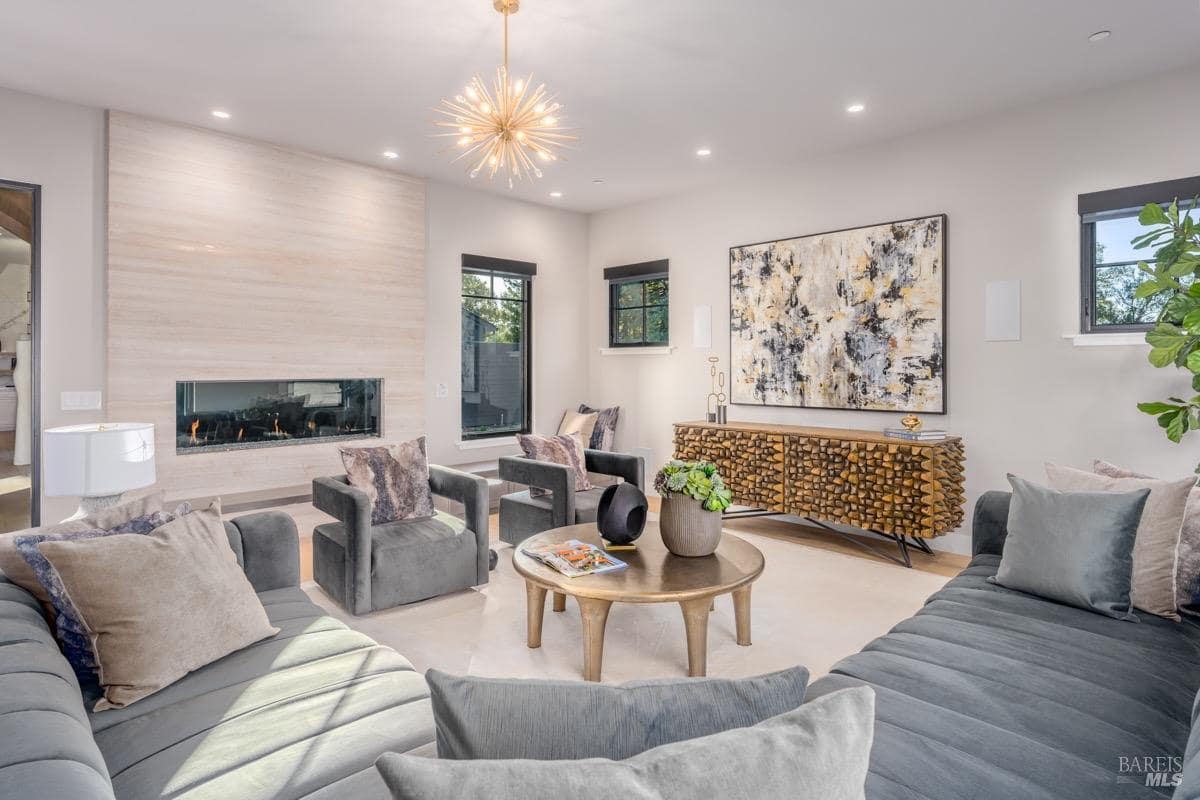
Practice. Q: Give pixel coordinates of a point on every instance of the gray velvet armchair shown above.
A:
(521, 516)
(369, 567)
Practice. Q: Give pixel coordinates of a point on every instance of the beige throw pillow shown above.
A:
(160, 605)
(582, 425)
(19, 572)
(1187, 563)
(1154, 559)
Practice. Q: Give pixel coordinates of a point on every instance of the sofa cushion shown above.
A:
(159, 605)
(819, 750)
(989, 692)
(539, 719)
(298, 714)
(1072, 547)
(48, 750)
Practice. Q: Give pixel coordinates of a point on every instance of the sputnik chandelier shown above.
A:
(509, 129)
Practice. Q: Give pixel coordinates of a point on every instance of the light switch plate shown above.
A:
(80, 401)
(441, 391)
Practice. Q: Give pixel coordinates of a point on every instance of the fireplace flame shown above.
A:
(195, 427)
(277, 431)
(240, 432)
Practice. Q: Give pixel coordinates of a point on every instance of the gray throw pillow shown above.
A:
(819, 750)
(541, 719)
(1072, 547)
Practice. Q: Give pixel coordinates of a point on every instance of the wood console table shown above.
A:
(905, 492)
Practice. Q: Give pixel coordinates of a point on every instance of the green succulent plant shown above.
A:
(1175, 338)
(699, 480)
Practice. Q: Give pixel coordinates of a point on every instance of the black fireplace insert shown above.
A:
(229, 415)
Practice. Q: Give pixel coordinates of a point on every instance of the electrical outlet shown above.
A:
(80, 401)
(441, 391)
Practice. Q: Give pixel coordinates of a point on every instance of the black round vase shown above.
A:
(621, 515)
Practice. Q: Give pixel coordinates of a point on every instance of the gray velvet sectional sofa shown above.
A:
(986, 693)
(992, 693)
(303, 714)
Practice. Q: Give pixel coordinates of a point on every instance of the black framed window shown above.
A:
(496, 310)
(638, 305)
(1109, 263)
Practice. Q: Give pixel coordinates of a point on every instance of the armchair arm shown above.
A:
(631, 469)
(558, 479)
(989, 527)
(269, 549)
(472, 492)
(352, 507)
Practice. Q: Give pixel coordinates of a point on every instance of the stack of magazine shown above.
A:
(914, 436)
(574, 558)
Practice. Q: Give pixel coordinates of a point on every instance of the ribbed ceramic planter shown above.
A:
(687, 529)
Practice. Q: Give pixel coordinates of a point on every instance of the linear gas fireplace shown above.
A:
(230, 415)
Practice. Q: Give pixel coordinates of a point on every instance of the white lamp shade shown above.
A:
(97, 460)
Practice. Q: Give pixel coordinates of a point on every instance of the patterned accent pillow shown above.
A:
(1187, 557)
(605, 432)
(71, 634)
(395, 477)
(565, 450)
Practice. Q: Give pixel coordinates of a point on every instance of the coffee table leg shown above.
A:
(741, 614)
(695, 621)
(594, 614)
(535, 597)
(560, 601)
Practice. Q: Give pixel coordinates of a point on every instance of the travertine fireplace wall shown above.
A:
(230, 259)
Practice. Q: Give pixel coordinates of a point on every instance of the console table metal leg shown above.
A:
(695, 621)
(560, 601)
(741, 614)
(594, 614)
(535, 597)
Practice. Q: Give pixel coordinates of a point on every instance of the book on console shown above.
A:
(914, 436)
(574, 558)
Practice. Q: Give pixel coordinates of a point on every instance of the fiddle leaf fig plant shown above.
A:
(1175, 338)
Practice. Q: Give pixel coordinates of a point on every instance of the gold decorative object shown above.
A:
(717, 393)
(912, 422)
(858, 478)
(508, 129)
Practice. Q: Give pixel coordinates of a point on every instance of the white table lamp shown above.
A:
(97, 462)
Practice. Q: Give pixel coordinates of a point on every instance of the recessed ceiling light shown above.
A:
(855, 108)
(1099, 36)
(556, 194)
(704, 152)
(219, 114)
(390, 154)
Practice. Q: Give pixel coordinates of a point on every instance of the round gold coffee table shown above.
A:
(654, 575)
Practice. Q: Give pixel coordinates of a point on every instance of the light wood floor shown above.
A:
(945, 564)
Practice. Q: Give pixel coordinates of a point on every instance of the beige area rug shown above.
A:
(810, 607)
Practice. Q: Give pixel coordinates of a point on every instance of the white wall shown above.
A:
(1009, 185)
(61, 147)
(467, 221)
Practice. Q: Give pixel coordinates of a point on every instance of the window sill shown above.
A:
(1126, 339)
(482, 444)
(637, 351)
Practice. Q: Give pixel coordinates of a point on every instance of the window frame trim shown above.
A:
(526, 279)
(614, 308)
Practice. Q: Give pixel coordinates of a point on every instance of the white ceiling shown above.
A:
(646, 82)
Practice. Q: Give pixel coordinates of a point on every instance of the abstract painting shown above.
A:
(851, 319)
